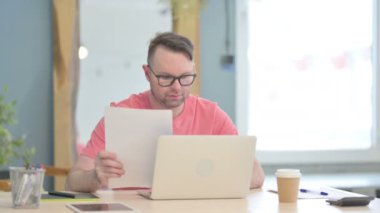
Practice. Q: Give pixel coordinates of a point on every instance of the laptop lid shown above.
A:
(203, 166)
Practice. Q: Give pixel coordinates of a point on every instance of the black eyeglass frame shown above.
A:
(179, 78)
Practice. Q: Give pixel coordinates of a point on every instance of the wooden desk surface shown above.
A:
(257, 201)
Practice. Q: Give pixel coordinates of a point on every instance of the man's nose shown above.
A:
(176, 84)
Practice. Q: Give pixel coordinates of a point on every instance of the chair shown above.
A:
(5, 184)
(56, 171)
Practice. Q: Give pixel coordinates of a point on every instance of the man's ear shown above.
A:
(146, 72)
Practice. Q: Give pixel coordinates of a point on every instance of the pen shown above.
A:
(62, 194)
(314, 192)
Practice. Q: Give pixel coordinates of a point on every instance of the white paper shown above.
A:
(132, 134)
(314, 193)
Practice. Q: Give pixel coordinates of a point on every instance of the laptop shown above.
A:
(202, 167)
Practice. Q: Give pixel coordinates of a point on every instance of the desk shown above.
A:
(258, 201)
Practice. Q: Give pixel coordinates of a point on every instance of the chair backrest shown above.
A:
(5, 184)
(56, 171)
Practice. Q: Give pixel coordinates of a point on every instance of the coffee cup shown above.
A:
(288, 181)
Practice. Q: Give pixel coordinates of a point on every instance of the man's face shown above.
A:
(168, 63)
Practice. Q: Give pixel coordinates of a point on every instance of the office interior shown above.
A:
(26, 68)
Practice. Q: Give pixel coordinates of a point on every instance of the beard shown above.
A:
(168, 102)
(173, 103)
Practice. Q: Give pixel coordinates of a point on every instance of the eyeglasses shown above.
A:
(168, 80)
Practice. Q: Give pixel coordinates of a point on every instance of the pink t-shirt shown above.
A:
(199, 117)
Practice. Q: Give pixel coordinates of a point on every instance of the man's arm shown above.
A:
(258, 175)
(89, 175)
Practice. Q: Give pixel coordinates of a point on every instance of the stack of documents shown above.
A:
(322, 193)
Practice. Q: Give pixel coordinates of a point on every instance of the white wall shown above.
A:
(117, 35)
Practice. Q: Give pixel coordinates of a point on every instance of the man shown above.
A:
(170, 72)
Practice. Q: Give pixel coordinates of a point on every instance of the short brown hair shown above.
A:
(171, 41)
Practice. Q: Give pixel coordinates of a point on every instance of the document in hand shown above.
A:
(132, 134)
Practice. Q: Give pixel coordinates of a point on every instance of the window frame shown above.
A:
(306, 157)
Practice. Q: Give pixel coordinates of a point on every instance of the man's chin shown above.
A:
(173, 104)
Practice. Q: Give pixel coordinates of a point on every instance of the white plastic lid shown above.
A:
(288, 173)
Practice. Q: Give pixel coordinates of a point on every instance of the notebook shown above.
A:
(202, 167)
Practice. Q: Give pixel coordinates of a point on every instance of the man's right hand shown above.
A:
(107, 166)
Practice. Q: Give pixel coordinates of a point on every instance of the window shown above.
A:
(310, 84)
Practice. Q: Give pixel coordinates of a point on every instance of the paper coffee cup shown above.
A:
(288, 181)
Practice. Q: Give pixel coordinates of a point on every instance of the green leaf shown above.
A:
(11, 149)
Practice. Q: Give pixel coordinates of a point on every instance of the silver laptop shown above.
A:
(202, 167)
